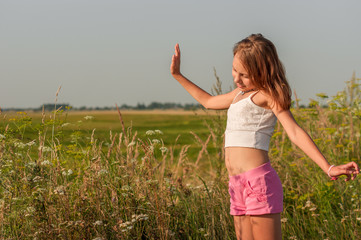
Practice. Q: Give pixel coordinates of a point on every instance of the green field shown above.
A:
(161, 175)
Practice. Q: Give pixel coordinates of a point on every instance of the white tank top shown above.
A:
(249, 125)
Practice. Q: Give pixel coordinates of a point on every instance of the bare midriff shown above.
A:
(243, 159)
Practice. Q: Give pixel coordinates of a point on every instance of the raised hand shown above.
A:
(175, 65)
(350, 169)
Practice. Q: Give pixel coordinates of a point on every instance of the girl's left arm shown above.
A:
(299, 137)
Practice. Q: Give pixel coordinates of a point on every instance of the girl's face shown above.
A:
(240, 75)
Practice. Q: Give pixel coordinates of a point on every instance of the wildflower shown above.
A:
(157, 131)
(30, 209)
(67, 173)
(88, 117)
(102, 172)
(358, 219)
(308, 203)
(163, 150)
(59, 190)
(132, 143)
(65, 124)
(31, 143)
(313, 209)
(37, 179)
(30, 164)
(19, 145)
(201, 229)
(140, 217)
(149, 132)
(155, 141)
(98, 223)
(126, 188)
(45, 163)
(151, 148)
(44, 149)
(284, 220)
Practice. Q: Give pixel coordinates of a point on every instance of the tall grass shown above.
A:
(73, 185)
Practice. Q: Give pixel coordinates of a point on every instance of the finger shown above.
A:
(352, 165)
(348, 177)
(177, 49)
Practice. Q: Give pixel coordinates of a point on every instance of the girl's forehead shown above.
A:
(238, 65)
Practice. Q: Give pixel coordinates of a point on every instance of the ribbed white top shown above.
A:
(249, 125)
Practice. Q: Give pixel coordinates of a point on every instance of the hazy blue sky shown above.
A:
(118, 51)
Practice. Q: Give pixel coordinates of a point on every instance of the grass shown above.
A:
(141, 180)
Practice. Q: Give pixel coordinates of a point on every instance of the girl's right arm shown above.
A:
(208, 101)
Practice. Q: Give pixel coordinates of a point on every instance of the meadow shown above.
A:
(161, 175)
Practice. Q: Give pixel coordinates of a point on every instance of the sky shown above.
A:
(107, 52)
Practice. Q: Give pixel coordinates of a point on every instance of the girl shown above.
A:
(262, 96)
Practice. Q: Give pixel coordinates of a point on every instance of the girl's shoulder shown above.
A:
(262, 99)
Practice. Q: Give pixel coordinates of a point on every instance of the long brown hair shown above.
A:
(259, 56)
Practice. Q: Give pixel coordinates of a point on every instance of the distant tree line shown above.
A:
(139, 106)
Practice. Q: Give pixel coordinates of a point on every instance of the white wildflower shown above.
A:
(37, 179)
(157, 131)
(30, 209)
(155, 141)
(358, 219)
(126, 188)
(132, 143)
(88, 117)
(59, 190)
(149, 132)
(44, 149)
(163, 150)
(151, 148)
(308, 203)
(65, 124)
(284, 220)
(313, 209)
(46, 163)
(19, 144)
(30, 164)
(70, 172)
(102, 172)
(31, 143)
(98, 223)
(18, 154)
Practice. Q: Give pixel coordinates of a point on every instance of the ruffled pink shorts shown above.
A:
(256, 192)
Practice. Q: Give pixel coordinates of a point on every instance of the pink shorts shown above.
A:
(256, 192)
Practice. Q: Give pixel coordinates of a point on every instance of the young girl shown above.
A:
(262, 96)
